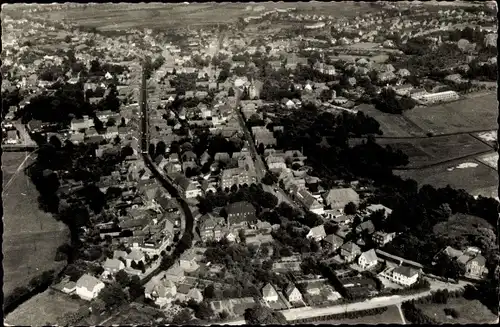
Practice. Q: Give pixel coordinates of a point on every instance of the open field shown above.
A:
(45, 308)
(10, 163)
(478, 180)
(390, 316)
(470, 312)
(490, 159)
(473, 114)
(31, 236)
(158, 15)
(136, 314)
(433, 150)
(392, 125)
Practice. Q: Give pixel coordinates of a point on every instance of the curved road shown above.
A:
(152, 167)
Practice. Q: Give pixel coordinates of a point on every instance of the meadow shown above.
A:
(31, 236)
(45, 308)
(478, 180)
(390, 316)
(476, 113)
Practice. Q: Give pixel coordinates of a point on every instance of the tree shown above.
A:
(260, 315)
(204, 311)
(135, 287)
(161, 148)
(230, 92)
(269, 179)
(112, 295)
(209, 291)
(111, 122)
(122, 278)
(183, 317)
(350, 208)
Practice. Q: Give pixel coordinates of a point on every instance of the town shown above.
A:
(244, 173)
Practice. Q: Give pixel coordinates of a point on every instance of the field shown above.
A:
(45, 308)
(390, 316)
(433, 150)
(31, 236)
(470, 312)
(473, 114)
(478, 180)
(156, 15)
(490, 159)
(392, 125)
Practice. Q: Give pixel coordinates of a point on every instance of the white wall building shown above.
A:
(88, 287)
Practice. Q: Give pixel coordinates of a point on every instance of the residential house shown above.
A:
(12, 137)
(317, 233)
(161, 290)
(275, 163)
(349, 251)
(112, 266)
(293, 294)
(333, 241)
(84, 123)
(187, 260)
(368, 259)
(188, 188)
(195, 295)
(269, 294)
(381, 238)
(376, 207)
(240, 214)
(236, 176)
(338, 198)
(309, 201)
(211, 227)
(476, 267)
(404, 276)
(88, 287)
(365, 227)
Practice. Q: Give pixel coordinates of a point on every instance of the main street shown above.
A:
(260, 167)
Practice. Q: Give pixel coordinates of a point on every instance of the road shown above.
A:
(378, 302)
(260, 167)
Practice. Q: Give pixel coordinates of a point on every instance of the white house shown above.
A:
(113, 266)
(404, 275)
(88, 287)
(368, 259)
(293, 294)
(161, 290)
(269, 293)
(317, 233)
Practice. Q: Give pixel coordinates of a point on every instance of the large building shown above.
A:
(437, 97)
(236, 176)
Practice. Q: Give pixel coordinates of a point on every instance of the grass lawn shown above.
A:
(470, 312)
(46, 307)
(390, 316)
(479, 180)
(31, 236)
(473, 114)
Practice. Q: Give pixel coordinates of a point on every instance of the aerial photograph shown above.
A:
(232, 163)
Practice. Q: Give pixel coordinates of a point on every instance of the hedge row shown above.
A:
(415, 315)
(346, 315)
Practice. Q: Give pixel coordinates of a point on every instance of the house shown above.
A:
(368, 259)
(236, 176)
(404, 275)
(240, 214)
(338, 198)
(84, 123)
(88, 287)
(188, 188)
(317, 233)
(382, 238)
(308, 201)
(365, 227)
(476, 267)
(12, 137)
(161, 290)
(293, 294)
(334, 242)
(187, 260)
(195, 295)
(211, 227)
(269, 294)
(113, 266)
(349, 251)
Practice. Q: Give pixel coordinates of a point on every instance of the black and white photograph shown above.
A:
(250, 163)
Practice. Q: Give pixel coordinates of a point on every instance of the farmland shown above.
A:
(31, 236)
(470, 312)
(477, 179)
(473, 114)
(434, 150)
(45, 308)
(156, 15)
